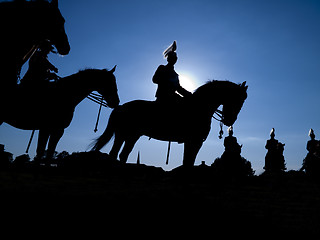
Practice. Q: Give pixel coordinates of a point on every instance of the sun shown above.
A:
(187, 82)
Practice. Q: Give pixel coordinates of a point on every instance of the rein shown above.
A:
(219, 118)
(97, 98)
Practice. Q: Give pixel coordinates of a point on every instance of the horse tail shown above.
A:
(107, 135)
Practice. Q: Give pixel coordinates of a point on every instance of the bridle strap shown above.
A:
(97, 98)
(219, 118)
(219, 114)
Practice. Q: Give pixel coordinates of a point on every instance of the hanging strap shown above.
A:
(96, 128)
(168, 152)
(219, 118)
(221, 130)
(31, 137)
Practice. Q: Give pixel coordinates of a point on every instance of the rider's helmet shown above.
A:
(311, 134)
(272, 133)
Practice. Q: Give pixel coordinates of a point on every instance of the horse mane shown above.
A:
(210, 85)
(87, 70)
(81, 75)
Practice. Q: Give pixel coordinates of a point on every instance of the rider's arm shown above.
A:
(183, 91)
(158, 75)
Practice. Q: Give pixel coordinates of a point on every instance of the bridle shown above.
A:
(219, 117)
(97, 98)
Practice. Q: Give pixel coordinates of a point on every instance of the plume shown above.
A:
(171, 48)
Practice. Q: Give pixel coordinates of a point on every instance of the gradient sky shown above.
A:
(274, 45)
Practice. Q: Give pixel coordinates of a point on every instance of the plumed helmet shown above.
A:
(171, 49)
(272, 132)
(230, 130)
(311, 133)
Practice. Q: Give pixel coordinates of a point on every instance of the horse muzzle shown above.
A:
(63, 50)
(62, 45)
(229, 122)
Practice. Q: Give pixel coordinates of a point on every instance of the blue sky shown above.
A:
(273, 45)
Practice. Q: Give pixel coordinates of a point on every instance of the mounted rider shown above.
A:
(40, 71)
(231, 144)
(168, 80)
(313, 144)
(274, 160)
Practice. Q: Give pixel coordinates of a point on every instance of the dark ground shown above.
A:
(147, 197)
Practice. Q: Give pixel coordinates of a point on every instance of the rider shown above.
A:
(274, 160)
(40, 70)
(168, 80)
(313, 143)
(272, 143)
(231, 144)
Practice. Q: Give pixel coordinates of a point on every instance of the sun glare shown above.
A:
(187, 82)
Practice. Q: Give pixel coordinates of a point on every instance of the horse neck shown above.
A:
(207, 102)
(78, 86)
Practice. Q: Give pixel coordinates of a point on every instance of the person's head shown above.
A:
(172, 58)
(170, 53)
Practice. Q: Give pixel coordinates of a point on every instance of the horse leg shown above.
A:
(191, 150)
(128, 146)
(43, 138)
(117, 143)
(53, 141)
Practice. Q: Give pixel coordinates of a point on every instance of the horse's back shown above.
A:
(137, 109)
(149, 118)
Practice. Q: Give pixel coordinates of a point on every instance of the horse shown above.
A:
(24, 25)
(188, 122)
(50, 109)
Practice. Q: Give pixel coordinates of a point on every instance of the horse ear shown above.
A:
(54, 3)
(243, 84)
(113, 69)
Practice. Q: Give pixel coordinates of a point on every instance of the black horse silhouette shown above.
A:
(24, 25)
(189, 122)
(51, 109)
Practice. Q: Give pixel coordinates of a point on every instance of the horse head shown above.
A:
(54, 28)
(108, 87)
(233, 103)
